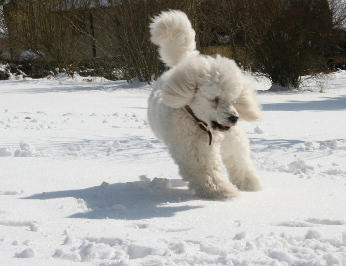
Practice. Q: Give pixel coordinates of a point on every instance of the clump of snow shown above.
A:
(280, 256)
(33, 227)
(144, 178)
(60, 254)
(335, 172)
(333, 144)
(212, 249)
(161, 183)
(68, 240)
(82, 204)
(27, 253)
(137, 251)
(313, 234)
(257, 130)
(75, 148)
(5, 152)
(10, 192)
(178, 247)
(26, 150)
(299, 166)
(105, 184)
(147, 184)
(311, 145)
(91, 251)
(240, 235)
(28, 55)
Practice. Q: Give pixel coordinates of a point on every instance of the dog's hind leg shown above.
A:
(235, 153)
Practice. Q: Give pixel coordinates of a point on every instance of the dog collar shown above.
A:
(202, 125)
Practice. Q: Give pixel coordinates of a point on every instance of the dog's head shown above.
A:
(215, 89)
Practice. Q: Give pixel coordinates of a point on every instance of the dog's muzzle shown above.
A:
(232, 119)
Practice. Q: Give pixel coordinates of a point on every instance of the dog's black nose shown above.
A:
(233, 119)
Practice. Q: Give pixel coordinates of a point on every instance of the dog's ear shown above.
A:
(179, 87)
(247, 106)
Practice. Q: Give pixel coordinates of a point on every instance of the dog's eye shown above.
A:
(215, 102)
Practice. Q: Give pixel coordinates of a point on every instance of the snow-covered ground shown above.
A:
(83, 181)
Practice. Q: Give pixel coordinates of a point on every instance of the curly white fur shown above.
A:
(173, 33)
(216, 90)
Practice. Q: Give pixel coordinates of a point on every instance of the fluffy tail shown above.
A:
(173, 33)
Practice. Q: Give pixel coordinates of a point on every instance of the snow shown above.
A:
(28, 55)
(83, 181)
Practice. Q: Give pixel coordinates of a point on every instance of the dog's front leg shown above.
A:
(200, 166)
(235, 153)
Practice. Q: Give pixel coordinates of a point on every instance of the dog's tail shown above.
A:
(173, 33)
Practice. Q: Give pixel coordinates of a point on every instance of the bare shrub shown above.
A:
(41, 27)
(122, 32)
(284, 40)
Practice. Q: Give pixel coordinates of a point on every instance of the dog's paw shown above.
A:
(253, 183)
(224, 192)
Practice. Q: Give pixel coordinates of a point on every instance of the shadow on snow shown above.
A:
(130, 201)
(329, 104)
(68, 86)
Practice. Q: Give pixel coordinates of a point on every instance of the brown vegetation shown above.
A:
(281, 39)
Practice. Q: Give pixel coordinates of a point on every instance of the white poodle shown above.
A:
(194, 108)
